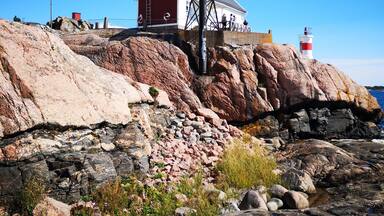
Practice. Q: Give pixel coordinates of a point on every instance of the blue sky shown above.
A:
(348, 33)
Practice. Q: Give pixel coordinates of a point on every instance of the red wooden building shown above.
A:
(157, 12)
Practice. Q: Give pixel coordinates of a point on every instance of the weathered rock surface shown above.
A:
(299, 180)
(51, 207)
(73, 161)
(321, 123)
(77, 126)
(74, 125)
(277, 191)
(337, 208)
(295, 200)
(347, 161)
(253, 200)
(145, 60)
(245, 82)
(43, 82)
(242, 82)
(318, 158)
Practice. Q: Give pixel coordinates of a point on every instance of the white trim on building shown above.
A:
(221, 8)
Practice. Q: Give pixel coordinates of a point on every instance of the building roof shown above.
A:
(233, 4)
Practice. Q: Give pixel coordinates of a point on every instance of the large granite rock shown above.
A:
(321, 123)
(247, 81)
(43, 82)
(329, 164)
(242, 82)
(145, 60)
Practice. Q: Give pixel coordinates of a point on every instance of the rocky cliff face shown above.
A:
(269, 77)
(243, 84)
(76, 126)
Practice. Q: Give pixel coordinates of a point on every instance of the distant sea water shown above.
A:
(379, 94)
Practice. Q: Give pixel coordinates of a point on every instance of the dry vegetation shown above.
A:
(32, 193)
(246, 163)
(130, 197)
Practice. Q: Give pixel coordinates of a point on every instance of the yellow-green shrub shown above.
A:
(246, 163)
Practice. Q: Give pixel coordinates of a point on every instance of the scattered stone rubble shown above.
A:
(190, 139)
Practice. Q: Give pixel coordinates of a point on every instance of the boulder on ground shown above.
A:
(274, 204)
(278, 202)
(253, 200)
(295, 200)
(299, 180)
(277, 191)
(52, 207)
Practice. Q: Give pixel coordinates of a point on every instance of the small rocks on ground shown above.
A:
(184, 211)
(274, 204)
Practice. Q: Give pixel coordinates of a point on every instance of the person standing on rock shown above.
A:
(245, 26)
(234, 23)
(224, 21)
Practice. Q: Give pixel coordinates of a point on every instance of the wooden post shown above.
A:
(106, 24)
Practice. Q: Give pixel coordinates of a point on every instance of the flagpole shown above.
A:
(50, 11)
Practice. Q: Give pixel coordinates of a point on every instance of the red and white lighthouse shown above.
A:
(306, 41)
